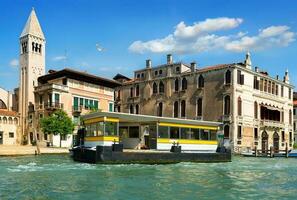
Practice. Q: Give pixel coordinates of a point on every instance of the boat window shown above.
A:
(204, 135)
(88, 130)
(133, 132)
(100, 128)
(213, 135)
(110, 128)
(163, 131)
(174, 133)
(93, 131)
(185, 133)
(196, 133)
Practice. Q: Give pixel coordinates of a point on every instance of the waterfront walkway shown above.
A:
(18, 150)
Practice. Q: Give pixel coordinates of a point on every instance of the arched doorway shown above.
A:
(264, 142)
(276, 142)
(226, 131)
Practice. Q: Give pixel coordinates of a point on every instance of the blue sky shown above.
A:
(208, 32)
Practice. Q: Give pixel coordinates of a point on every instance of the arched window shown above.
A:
(2, 105)
(175, 109)
(227, 105)
(200, 81)
(228, 77)
(160, 109)
(199, 107)
(290, 117)
(137, 90)
(131, 109)
(239, 106)
(119, 94)
(137, 109)
(183, 108)
(131, 92)
(33, 46)
(226, 131)
(155, 88)
(184, 84)
(176, 85)
(4, 120)
(255, 110)
(119, 108)
(10, 120)
(161, 87)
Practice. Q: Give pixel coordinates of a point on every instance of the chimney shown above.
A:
(193, 66)
(286, 77)
(148, 63)
(169, 59)
(256, 69)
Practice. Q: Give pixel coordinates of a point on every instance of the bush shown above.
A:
(295, 146)
(33, 143)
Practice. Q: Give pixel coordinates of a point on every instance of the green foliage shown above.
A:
(295, 146)
(58, 123)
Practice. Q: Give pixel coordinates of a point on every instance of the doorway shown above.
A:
(276, 142)
(264, 142)
(1, 137)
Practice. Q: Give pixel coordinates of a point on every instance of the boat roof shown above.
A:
(127, 117)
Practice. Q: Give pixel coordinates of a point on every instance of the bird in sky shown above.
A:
(99, 48)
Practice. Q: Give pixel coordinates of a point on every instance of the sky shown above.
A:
(208, 32)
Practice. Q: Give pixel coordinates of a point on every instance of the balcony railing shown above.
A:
(53, 106)
(77, 109)
(52, 86)
(271, 123)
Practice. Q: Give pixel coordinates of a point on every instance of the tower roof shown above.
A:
(32, 26)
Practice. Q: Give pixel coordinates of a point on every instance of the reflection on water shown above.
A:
(58, 177)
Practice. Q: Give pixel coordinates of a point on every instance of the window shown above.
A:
(255, 110)
(184, 84)
(119, 94)
(269, 87)
(240, 78)
(282, 91)
(174, 132)
(175, 109)
(256, 83)
(200, 82)
(161, 88)
(163, 132)
(142, 75)
(176, 85)
(137, 90)
(199, 107)
(64, 81)
(183, 108)
(138, 76)
(131, 92)
(294, 126)
(177, 69)
(185, 133)
(276, 89)
(156, 73)
(290, 93)
(228, 77)
(11, 134)
(283, 136)
(294, 111)
(155, 88)
(255, 133)
(110, 128)
(239, 106)
(290, 117)
(133, 132)
(226, 131)
(290, 137)
(119, 108)
(160, 72)
(204, 134)
(110, 107)
(273, 88)
(137, 109)
(45, 136)
(261, 84)
(227, 105)
(239, 132)
(131, 109)
(160, 109)
(57, 98)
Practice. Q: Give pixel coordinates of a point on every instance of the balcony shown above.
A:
(53, 106)
(77, 109)
(226, 118)
(271, 123)
(51, 86)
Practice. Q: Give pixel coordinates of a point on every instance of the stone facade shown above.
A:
(254, 107)
(9, 127)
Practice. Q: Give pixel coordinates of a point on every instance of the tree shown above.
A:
(58, 123)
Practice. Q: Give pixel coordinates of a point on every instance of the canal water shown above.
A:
(58, 177)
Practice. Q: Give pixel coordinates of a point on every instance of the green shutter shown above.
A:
(110, 107)
(87, 103)
(96, 105)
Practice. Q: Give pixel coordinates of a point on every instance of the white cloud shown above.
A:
(59, 58)
(202, 36)
(14, 63)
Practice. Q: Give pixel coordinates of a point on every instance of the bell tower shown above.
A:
(32, 65)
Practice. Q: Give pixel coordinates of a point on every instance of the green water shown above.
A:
(58, 177)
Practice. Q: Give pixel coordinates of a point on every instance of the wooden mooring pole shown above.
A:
(287, 151)
(256, 151)
(271, 152)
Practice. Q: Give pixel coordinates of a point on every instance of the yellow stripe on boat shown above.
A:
(189, 126)
(102, 138)
(101, 119)
(184, 141)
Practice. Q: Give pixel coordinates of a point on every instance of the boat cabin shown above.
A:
(135, 131)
